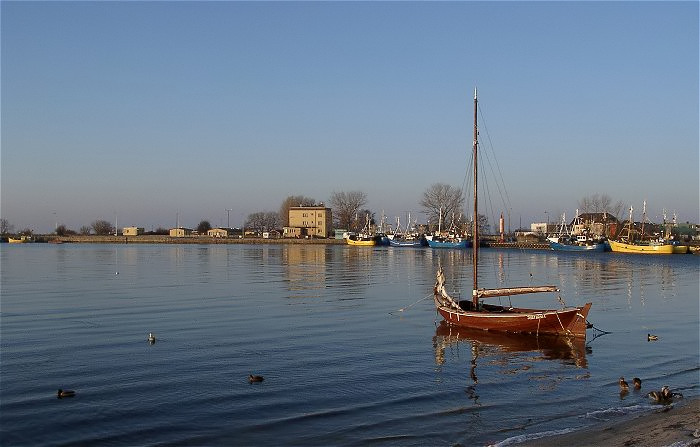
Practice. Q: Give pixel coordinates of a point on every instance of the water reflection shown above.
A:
(497, 346)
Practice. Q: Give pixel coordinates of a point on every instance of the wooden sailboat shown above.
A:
(569, 321)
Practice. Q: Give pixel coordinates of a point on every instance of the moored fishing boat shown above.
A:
(360, 240)
(448, 242)
(577, 247)
(568, 321)
(628, 241)
(363, 239)
(566, 241)
(409, 237)
(20, 240)
(412, 241)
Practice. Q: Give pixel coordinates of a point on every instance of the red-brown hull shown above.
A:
(570, 321)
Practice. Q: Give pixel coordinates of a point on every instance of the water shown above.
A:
(343, 365)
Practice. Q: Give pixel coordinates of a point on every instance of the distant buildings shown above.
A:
(132, 231)
(309, 221)
(180, 232)
(219, 232)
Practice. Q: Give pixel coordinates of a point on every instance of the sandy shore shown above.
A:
(668, 426)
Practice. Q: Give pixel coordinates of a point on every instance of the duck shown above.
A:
(252, 378)
(151, 338)
(637, 382)
(665, 396)
(656, 396)
(65, 393)
(668, 395)
(624, 386)
(652, 337)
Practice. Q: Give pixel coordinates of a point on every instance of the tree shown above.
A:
(600, 203)
(441, 199)
(262, 221)
(102, 227)
(345, 206)
(360, 220)
(483, 223)
(290, 202)
(85, 230)
(203, 227)
(62, 230)
(5, 227)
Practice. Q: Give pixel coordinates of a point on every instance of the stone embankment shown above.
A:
(162, 239)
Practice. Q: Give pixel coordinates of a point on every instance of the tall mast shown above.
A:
(475, 243)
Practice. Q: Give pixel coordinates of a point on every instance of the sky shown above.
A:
(150, 113)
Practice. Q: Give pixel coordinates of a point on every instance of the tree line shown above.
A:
(441, 203)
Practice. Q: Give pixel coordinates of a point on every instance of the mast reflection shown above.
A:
(568, 350)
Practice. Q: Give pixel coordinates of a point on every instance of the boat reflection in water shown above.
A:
(568, 350)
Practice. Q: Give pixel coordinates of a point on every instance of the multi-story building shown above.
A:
(311, 221)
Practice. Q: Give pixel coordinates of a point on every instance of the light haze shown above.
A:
(144, 112)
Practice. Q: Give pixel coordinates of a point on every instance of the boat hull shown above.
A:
(680, 249)
(361, 242)
(659, 249)
(414, 243)
(568, 322)
(578, 248)
(448, 244)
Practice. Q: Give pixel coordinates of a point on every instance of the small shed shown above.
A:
(132, 231)
(180, 232)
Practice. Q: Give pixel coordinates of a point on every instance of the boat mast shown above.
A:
(475, 242)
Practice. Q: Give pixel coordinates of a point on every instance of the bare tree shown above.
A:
(290, 202)
(5, 227)
(85, 230)
(62, 230)
(102, 227)
(262, 221)
(345, 206)
(600, 203)
(441, 199)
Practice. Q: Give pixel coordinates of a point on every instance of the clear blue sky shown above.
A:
(146, 110)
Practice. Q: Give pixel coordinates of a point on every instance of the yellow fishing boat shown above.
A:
(631, 241)
(366, 238)
(358, 241)
(651, 247)
(680, 249)
(20, 240)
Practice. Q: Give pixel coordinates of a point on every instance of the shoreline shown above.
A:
(204, 240)
(677, 425)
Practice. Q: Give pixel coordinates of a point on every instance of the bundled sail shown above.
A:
(569, 321)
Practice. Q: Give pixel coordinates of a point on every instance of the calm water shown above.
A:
(342, 364)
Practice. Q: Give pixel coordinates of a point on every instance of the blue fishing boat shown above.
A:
(414, 242)
(449, 242)
(573, 246)
(410, 237)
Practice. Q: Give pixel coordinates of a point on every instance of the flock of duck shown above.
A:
(665, 396)
(151, 340)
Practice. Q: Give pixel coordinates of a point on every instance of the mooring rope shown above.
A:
(411, 305)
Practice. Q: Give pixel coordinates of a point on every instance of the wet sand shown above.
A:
(677, 425)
